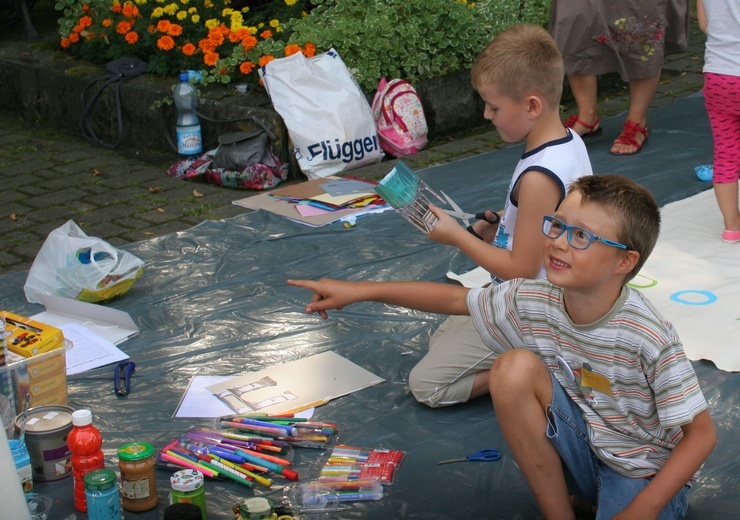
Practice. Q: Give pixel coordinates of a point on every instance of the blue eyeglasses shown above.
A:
(578, 237)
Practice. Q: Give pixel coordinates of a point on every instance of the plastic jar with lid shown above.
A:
(187, 486)
(138, 480)
(103, 501)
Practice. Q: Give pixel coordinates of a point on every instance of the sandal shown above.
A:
(629, 130)
(593, 129)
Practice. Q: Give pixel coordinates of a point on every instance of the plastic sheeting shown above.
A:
(213, 301)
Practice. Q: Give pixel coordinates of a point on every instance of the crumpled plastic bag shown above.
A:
(72, 265)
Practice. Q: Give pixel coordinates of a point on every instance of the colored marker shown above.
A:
(272, 466)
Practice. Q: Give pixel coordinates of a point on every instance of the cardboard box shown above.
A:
(43, 377)
(27, 337)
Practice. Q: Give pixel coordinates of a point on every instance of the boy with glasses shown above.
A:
(591, 386)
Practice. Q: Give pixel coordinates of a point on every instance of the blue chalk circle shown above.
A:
(704, 172)
(709, 297)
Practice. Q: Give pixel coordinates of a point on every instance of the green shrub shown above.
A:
(413, 39)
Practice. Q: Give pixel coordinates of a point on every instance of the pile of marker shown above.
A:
(352, 463)
(247, 449)
(295, 431)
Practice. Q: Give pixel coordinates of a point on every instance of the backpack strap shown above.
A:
(117, 72)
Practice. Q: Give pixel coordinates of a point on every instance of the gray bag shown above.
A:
(239, 150)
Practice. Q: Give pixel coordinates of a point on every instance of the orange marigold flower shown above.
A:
(166, 43)
(238, 35)
(249, 42)
(309, 50)
(189, 49)
(174, 30)
(207, 45)
(86, 8)
(292, 49)
(107, 22)
(264, 60)
(216, 35)
(132, 38)
(246, 67)
(210, 58)
(116, 8)
(130, 10)
(85, 21)
(74, 37)
(163, 26)
(266, 34)
(123, 27)
(78, 28)
(65, 43)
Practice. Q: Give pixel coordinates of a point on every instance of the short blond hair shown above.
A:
(520, 61)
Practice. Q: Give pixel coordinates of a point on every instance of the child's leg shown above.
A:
(521, 389)
(456, 367)
(618, 491)
(722, 98)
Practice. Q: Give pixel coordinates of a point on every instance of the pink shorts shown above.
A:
(722, 99)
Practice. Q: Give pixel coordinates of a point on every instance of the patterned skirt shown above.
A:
(630, 37)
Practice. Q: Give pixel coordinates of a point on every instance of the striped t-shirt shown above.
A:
(627, 372)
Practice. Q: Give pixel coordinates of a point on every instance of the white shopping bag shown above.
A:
(327, 116)
(74, 265)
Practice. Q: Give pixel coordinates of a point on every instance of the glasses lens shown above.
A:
(579, 237)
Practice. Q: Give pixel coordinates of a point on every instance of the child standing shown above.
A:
(591, 386)
(720, 19)
(519, 76)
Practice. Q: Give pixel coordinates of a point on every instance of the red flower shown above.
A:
(246, 67)
(166, 43)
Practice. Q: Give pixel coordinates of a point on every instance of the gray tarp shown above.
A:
(213, 301)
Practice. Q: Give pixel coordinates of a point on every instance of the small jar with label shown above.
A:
(138, 480)
(101, 492)
(187, 486)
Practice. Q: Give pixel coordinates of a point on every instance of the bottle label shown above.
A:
(26, 477)
(189, 140)
(135, 489)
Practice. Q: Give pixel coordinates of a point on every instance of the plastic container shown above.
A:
(189, 135)
(103, 501)
(138, 479)
(188, 486)
(183, 511)
(22, 463)
(84, 442)
(47, 429)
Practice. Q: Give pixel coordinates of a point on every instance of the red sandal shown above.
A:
(593, 130)
(629, 130)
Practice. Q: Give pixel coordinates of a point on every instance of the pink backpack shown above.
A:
(399, 118)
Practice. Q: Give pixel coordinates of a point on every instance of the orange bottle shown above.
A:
(84, 442)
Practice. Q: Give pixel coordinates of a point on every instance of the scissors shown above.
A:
(485, 455)
(457, 212)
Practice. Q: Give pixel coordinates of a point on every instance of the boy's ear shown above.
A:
(534, 105)
(628, 262)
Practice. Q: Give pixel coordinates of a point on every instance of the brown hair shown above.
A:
(635, 210)
(521, 60)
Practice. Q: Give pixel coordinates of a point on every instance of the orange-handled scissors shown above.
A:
(485, 455)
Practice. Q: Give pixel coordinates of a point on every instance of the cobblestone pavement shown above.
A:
(123, 197)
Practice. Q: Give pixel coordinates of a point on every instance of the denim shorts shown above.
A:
(585, 474)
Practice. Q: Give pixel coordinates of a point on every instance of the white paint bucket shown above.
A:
(47, 428)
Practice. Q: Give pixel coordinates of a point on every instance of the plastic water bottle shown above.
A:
(189, 136)
(84, 442)
(22, 463)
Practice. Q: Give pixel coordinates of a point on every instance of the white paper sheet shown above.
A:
(88, 350)
(295, 385)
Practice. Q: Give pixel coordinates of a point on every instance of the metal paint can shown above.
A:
(47, 428)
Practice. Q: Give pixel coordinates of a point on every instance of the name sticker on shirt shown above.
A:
(595, 381)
